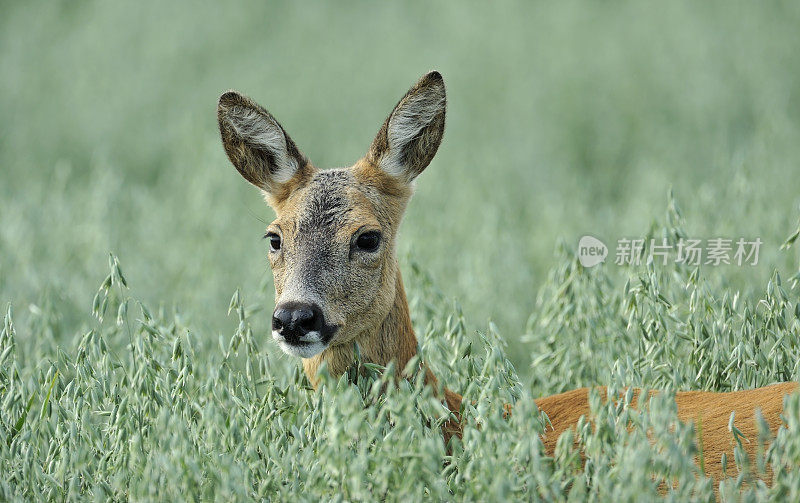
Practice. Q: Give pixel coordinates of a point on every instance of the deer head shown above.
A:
(332, 244)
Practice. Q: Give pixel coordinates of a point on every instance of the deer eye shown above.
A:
(369, 241)
(274, 241)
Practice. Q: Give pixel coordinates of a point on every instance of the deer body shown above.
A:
(710, 410)
(337, 281)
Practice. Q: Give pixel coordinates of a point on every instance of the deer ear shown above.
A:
(408, 140)
(258, 146)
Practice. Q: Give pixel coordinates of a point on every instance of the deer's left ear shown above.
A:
(408, 140)
(259, 147)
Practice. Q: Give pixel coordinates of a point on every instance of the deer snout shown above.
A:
(295, 320)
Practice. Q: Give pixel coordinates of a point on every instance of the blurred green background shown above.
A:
(564, 119)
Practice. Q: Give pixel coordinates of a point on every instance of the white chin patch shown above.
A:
(311, 345)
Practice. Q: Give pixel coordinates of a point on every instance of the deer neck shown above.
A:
(392, 340)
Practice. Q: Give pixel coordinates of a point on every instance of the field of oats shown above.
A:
(135, 358)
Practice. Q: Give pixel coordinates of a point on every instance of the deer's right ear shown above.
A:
(410, 137)
(258, 146)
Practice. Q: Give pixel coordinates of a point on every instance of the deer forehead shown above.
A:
(338, 203)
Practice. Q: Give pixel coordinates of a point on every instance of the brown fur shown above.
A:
(710, 410)
(319, 213)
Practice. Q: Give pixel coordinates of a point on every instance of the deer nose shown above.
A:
(293, 320)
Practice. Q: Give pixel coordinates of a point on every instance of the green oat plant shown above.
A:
(133, 410)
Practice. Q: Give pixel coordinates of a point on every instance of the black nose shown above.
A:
(293, 320)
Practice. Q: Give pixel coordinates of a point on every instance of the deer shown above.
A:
(337, 279)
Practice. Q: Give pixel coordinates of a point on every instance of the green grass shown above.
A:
(563, 120)
(167, 418)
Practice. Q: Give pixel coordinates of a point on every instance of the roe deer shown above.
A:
(337, 281)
